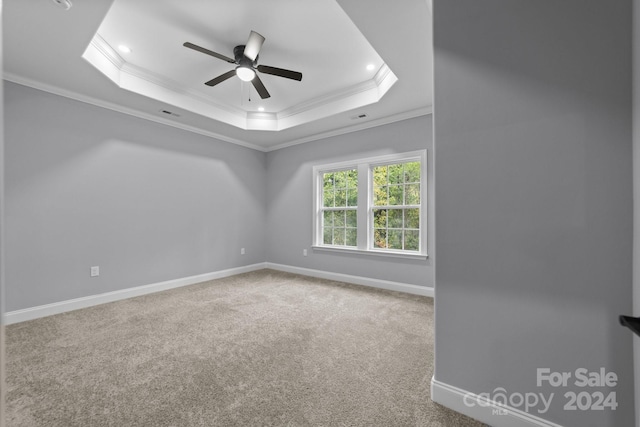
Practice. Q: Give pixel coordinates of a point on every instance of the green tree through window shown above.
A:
(396, 206)
(339, 208)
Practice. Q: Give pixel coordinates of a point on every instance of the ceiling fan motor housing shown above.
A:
(243, 61)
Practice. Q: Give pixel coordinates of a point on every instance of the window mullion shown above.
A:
(364, 200)
(317, 207)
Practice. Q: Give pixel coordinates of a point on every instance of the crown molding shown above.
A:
(418, 112)
(144, 82)
(380, 78)
(23, 81)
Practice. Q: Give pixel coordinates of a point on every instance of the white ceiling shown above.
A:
(329, 41)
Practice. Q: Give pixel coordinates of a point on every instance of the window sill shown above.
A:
(390, 254)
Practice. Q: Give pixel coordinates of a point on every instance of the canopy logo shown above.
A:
(500, 400)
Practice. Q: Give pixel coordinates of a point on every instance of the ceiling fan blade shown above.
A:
(287, 74)
(262, 91)
(252, 48)
(221, 78)
(209, 52)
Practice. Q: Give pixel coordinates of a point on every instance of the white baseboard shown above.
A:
(84, 302)
(358, 280)
(488, 412)
(89, 301)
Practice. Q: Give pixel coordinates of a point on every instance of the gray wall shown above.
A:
(146, 202)
(636, 192)
(534, 196)
(290, 194)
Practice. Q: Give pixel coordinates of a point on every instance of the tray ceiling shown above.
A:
(356, 67)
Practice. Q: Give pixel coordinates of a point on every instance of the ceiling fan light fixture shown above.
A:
(245, 74)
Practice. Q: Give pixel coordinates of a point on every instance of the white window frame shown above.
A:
(365, 204)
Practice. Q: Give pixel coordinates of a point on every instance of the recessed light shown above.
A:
(64, 4)
(260, 108)
(124, 49)
(370, 67)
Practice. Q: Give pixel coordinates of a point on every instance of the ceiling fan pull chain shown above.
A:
(246, 88)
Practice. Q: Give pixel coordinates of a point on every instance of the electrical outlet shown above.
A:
(95, 271)
(242, 252)
(304, 252)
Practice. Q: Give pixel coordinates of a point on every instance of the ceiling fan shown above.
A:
(246, 59)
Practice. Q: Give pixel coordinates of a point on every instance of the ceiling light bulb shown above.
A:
(260, 108)
(370, 67)
(245, 74)
(124, 49)
(65, 4)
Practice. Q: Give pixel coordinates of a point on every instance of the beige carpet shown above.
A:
(262, 348)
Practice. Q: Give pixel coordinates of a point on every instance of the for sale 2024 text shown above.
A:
(588, 400)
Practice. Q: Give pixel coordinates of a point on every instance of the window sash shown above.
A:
(343, 225)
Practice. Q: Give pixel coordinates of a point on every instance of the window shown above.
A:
(375, 205)
(339, 208)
